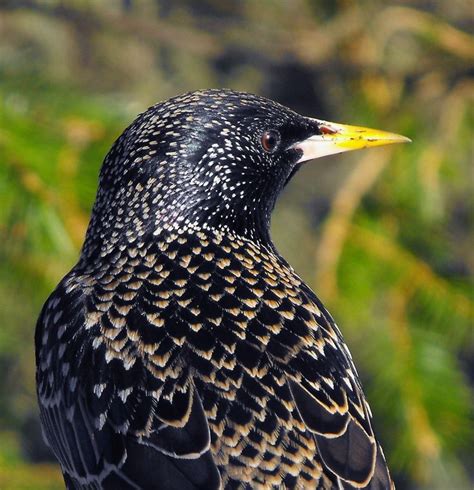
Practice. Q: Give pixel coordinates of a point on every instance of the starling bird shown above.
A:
(182, 351)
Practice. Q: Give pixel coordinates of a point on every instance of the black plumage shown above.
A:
(182, 351)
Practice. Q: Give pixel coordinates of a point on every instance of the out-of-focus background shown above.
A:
(384, 236)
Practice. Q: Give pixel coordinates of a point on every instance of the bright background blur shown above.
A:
(384, 236)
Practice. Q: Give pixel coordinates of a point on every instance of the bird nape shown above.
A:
(182, 351)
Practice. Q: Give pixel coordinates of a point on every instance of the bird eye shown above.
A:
(270, 140)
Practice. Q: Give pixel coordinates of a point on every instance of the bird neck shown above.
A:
(114, 227)
(234, 218)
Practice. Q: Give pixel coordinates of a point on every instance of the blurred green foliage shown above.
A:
(385, 236)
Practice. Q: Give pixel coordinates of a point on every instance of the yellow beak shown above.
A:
(337, 138)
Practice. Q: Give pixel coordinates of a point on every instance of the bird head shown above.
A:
(211, 160)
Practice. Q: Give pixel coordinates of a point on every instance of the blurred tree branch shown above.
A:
(100, 19)
(336, 229)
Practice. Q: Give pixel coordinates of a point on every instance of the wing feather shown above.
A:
(331, 403)
(105, 425)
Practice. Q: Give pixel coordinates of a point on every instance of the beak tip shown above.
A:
(401, 139)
